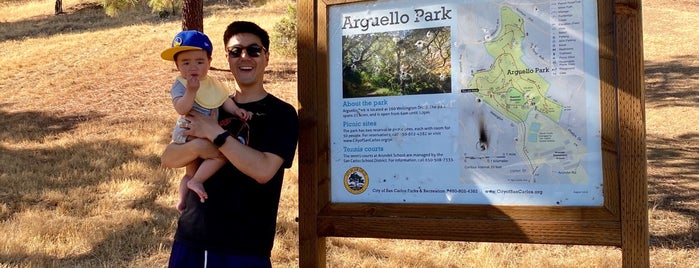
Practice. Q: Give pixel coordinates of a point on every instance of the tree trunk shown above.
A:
(58, 8)
(193, 15)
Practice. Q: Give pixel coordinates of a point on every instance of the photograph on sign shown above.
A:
(465, 102)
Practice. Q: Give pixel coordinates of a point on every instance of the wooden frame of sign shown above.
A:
(620, 221)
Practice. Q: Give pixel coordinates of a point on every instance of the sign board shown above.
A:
(465, 103)
(471, 121)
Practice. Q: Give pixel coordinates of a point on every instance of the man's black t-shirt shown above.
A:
(239, 217)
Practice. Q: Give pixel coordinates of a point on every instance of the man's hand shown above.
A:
(202, 126)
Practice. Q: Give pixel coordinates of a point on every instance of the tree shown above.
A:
(58, 8)
(193, 15)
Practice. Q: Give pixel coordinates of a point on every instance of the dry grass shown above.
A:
(85, 114)
(672, 119)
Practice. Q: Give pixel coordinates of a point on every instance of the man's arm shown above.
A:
(261, 166)
(179, 155)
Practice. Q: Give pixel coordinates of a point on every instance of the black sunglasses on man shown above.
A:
(253, 50)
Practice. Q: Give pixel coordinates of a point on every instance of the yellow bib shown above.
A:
(211, 93)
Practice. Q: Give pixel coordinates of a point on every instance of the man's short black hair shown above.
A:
(237, 27)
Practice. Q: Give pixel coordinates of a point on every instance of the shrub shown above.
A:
(162, 7)
(284, 35)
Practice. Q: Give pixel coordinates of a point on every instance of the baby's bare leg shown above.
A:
(181, 203)
(190, 170)
(207, 168)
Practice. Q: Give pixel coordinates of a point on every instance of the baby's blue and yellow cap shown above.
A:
(187, 40)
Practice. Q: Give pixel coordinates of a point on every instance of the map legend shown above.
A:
(566, 36)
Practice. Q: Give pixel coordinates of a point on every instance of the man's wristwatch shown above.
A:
(221, 138)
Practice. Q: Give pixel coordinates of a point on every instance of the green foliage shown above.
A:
(164, 7)
(113, 7)
(284, 35)
(404, 62)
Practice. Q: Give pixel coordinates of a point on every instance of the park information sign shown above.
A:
(465, 102)
(472, 120)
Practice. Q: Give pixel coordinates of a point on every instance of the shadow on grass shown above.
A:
(672, 83)
(36, 178)
(282, 72)
(80, 18)
(86, 17)
(672, 191)
(34, 126)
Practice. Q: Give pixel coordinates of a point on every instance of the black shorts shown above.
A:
(183, 256)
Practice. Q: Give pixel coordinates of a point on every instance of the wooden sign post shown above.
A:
(361, 89)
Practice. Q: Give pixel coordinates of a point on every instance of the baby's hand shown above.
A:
(244, 114)
(193, 83)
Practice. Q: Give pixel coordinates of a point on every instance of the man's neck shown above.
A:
(250, 94)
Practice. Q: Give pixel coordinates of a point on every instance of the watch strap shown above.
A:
(221, 138)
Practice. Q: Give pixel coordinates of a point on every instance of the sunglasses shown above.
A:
(253, 50)
(243, 133)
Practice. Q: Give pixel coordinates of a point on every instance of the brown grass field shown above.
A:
(85, 113)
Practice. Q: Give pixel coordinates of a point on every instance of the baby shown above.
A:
(194, 90)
